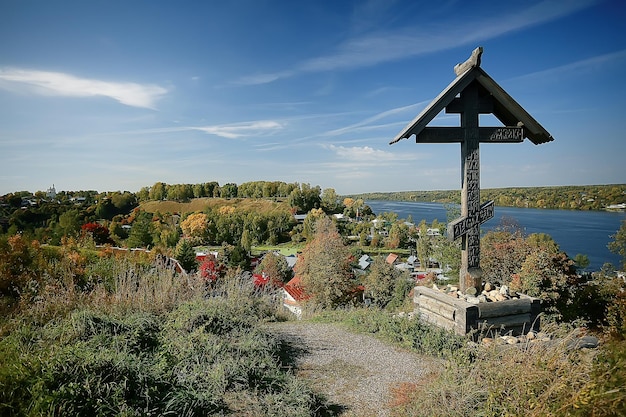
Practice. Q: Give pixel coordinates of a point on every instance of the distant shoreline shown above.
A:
(611, 197)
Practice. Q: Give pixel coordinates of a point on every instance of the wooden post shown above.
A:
(473, 215)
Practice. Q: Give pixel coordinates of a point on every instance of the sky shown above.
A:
(117, 95)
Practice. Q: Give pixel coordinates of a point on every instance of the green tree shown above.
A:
(186, 255)
(140, 235)
(304, 198)
(309, 224)
(228, 190)
(618, 245)
(236, 256)
(69, 223)
(398, 236)
(330, 201)
(581, 261)
(381, 281)
(158, 191)
(324, 267)
(424, 245)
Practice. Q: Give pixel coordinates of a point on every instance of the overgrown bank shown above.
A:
(153, 343)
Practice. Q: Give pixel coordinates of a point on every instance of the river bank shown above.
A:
(584, 232)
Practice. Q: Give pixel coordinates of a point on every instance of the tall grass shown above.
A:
(143, 341)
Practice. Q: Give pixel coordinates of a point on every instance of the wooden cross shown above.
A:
(473, 93)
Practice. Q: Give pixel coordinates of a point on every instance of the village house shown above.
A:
(293, 296)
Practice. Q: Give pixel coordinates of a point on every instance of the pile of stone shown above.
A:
(490, 293)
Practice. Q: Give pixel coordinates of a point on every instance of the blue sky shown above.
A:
(117, 95)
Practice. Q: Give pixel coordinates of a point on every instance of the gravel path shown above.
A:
(354, 371)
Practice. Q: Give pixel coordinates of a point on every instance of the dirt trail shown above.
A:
(356, 372)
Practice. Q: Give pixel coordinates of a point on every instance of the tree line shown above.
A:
(578, 197)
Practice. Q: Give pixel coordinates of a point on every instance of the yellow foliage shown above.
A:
(195, 225)
(226, 210)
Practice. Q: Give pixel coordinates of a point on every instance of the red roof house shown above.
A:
(294, 295)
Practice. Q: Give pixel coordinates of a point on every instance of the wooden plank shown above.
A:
(435, 106)
(439, 296)
(512, 320)
(440, 135)
(534, 131)
(445, 310)
(437, 320)
(503, 308)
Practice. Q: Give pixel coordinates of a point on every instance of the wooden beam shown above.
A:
(504, 308)
(485, 135)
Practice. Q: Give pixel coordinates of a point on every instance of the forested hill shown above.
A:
(575, 197)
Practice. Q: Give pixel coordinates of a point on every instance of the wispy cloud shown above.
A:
(582, 67)
(67, 85)
(238, 130)
(394, 45)
(366, 123)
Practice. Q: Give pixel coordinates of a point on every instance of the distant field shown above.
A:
(200, 204)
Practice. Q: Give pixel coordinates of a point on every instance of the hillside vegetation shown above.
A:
(581, 197)
(202, 204)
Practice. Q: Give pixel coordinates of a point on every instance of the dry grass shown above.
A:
(534, 379)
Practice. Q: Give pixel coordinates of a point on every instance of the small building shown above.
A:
(391, 259)
(364, 262)
(293, 296)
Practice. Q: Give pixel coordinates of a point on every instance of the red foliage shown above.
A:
(210, 269)
(99, 233)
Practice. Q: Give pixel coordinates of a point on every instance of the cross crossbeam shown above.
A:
(462, 225)
(485, 135)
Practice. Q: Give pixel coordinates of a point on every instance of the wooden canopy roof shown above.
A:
(505, 108)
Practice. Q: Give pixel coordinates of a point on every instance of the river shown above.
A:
(584, 232)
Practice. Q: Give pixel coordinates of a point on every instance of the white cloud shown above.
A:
(237, 130)
(61, 84)
(367, 154)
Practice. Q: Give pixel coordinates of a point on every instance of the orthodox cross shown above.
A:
(472, 93)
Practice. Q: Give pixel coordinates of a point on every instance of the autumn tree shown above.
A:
(211, 269)
(98, 232)
(195, 225)
(324, 267)
(275, 267)
(502, 254)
